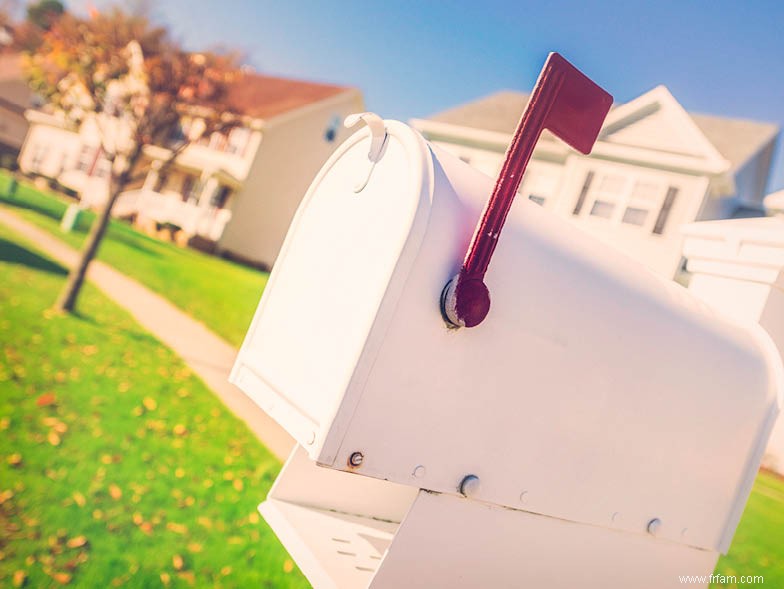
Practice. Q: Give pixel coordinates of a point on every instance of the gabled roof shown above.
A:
(735, 140)
(264, 97)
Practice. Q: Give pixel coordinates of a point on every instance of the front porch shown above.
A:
(181, 205)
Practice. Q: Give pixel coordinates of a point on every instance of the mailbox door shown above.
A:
(337, 264)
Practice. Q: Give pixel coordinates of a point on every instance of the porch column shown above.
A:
(210, 187)
(152, 176)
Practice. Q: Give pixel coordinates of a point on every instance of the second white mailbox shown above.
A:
(600, 428)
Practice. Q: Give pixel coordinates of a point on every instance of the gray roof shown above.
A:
(736, 139)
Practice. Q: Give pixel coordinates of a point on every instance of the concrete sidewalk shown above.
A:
(210, 357)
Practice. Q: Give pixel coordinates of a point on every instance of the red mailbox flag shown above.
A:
(572, 107)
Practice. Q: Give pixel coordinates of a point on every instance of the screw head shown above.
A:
(355, 460)
(654, 526)
(470, 485)
(419, 471)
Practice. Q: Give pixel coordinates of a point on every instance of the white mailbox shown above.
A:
(600, 428)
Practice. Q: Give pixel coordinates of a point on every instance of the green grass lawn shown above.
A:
(117, 466)
(221, 294)
(758, 546)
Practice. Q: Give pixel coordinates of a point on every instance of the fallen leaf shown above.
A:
(177, 528)
(180, 430)
(226, 571)
(46, 399)
(79, 499)
(195, 547)
(253, 517)
(288, 566)
(165, 578)
(4, 423)
(179, 473)
(53, 438)
(62, 578)
(238, 485)
(15, 459)
(60, 427)
(188, 576)
(20, 578)
(6, 495)
(115, 492)
(177, 562)
(146, 527)
(76, 542)
(150, 404)
(137, 518)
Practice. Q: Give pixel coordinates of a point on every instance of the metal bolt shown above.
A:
(470, 485)
(355, 460)
(654, 526)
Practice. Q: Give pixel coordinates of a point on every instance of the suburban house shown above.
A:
(15, 99)
(654, 168)
(233, 193)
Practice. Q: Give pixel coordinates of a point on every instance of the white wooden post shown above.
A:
(737, 267)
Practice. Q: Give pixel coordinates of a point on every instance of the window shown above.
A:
(540, 181)
(238, 140)
(190, 189)
(331, 132)
(217, 141)
(641, 201)
(602, 208)
(220, 197)
(87, 157)
(609, 193)
(627, 198)
(39, 153)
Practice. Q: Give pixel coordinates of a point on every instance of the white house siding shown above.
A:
(48, 150)
(293, 148)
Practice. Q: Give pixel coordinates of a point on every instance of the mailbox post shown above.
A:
(599, 428)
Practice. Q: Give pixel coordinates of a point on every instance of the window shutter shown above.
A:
(664, 213)
(583, 193)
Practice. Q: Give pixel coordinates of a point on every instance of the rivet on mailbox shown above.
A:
(593, 389)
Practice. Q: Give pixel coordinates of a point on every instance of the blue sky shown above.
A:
(412, 59)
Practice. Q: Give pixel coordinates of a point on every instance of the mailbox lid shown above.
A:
(344, 252)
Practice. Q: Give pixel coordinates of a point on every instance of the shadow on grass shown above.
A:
(36, 208)
(134, 241)
(16, 254)
(138, 335)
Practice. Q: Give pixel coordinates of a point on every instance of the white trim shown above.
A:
(660, 98)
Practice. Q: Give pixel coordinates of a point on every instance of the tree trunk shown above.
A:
(66, 302)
